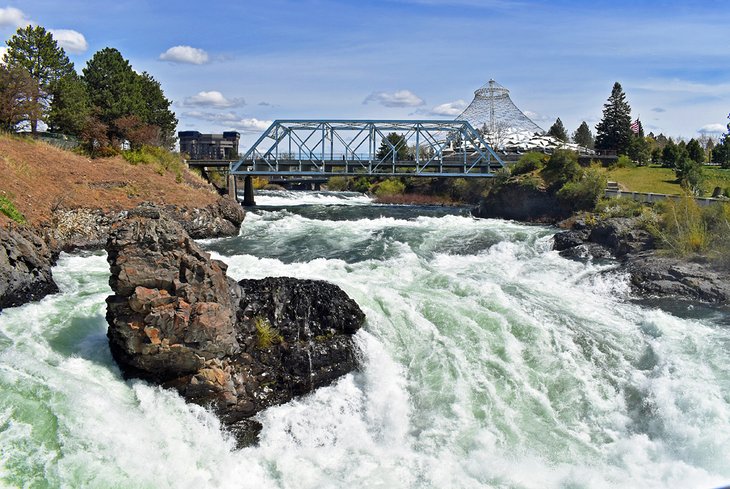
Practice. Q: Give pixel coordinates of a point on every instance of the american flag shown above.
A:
(636, 126)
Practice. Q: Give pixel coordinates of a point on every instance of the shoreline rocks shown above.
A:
(27, 254)
(652, 275)
(176, 319)
(25, 267)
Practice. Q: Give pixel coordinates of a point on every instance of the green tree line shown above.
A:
(106, 105)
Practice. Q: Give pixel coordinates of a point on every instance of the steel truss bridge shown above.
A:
(327, 148)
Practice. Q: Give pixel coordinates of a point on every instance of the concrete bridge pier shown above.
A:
(248, 199)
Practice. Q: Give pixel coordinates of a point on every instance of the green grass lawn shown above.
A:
(660, 180)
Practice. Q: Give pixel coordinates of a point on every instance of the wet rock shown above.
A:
(25, 267)
(176, 319)
(521, 203)
(651, 274)
(82, 228)
(658, 276)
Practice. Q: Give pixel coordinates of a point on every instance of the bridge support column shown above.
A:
(248, 199)
(232, 187)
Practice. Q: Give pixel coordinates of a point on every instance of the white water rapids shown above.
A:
(487, 361)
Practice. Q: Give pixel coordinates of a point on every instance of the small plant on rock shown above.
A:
(266, 334)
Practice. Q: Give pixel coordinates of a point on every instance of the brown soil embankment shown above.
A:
(39, 178)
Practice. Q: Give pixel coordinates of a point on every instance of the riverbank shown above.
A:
(653, 272)
(58, 201)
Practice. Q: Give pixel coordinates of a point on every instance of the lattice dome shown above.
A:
(493, 110)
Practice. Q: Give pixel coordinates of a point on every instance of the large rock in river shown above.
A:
(176, 319)
(25, 267)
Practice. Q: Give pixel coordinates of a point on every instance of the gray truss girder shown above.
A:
(350, 147)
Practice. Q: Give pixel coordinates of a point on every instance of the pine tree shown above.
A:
(114, 90)
(557, 130)
(393, 140)
(695, 151)
(71, 107)
(614, 130)
(583, 136)
(35, 50)
(157, 109)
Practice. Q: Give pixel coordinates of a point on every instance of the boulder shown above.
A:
(659, 276)
(176, 319)
(25, 267)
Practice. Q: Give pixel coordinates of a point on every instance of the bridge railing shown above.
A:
(362, 147)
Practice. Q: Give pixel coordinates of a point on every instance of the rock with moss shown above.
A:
(176, 319)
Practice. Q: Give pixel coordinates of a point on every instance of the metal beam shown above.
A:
(436, 149)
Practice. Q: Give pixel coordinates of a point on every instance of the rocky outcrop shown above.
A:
(520, 202)
(613, 237)
(176, 319)
(658, 276)
(27, 255)
(74, 229)
(651, 274)
(25, 267)
(222, 218)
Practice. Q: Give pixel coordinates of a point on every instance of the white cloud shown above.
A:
(185, 54)
(712, 128)
(214, 99)
(212, 116)
(454, 108)
(251, 125)
(13, 17)
(535, 117)
(400, 98)
(3, 50)
(230, 120)
(70, 40)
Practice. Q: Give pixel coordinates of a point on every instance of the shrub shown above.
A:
(562, 167)
(338, 183)
(619, 207)
(9, 209)
(681, 228)
(266, 334)
(391, 186)
(528, 162)
(624, 162)
(162, 159)
(690, 175)
(583, 194)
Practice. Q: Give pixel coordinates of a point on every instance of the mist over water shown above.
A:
(487, 361)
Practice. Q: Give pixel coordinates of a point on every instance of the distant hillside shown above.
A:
(37, 178)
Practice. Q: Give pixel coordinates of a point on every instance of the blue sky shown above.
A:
(239, 65)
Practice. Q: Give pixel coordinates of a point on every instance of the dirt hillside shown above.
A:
(37, 178)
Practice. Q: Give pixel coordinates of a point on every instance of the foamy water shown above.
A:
(487, 361)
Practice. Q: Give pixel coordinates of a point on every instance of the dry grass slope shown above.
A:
(38, 178)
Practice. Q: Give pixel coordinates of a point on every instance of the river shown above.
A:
(487, 361)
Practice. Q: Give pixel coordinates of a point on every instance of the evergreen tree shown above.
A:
(71, 107)
(583, 136)
(614, 130)
(114, 90)
(157, 109)
(557, 130)
(639, 150)
(690, 174)
(391, 141)
(35, 50)
(695, 151)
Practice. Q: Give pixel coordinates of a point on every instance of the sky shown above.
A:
(239, 65)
